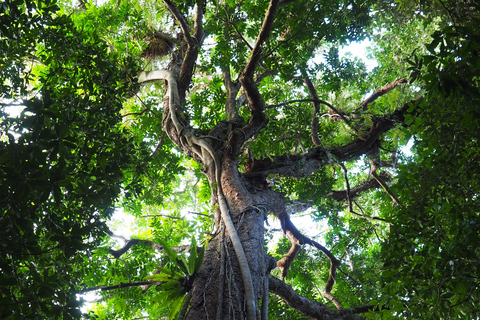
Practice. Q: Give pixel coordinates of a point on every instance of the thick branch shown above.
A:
(131, 242)
(380, 92)
(262, 37)
(296, 236)
(231, 109)
(193, 44)
(316, 108)
(255, 101)
(181, 134)
(309, 308)
(304, 165)
(285, 263)
(180, 19)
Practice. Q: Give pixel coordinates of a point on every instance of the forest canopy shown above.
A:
(235, 160)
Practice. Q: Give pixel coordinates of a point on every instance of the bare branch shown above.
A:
(285, 263)
(296, 236)
(373, 172)
(121, 285)
(236, 30)
(309, 308)
(340, 114)
(159, 144)
(131, 242)
(356, 191)
(193, 44)
(163, 216)
(118, 253)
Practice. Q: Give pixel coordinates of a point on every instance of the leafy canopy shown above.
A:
(88, 140)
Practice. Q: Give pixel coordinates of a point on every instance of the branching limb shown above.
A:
(131, 242)
(193, 39)
(159, 144)
(231, 109)
(293, 233)
(236, 29)
(349, 198)
(262, 37)
(380, 92)
(297, 206)
(369, 184)
(309, 308)
(172, 91)
(316, 108)
(180, 19)
(206, 149)
(303, 165)
(373, 172)
(255, 101)
(285, 263)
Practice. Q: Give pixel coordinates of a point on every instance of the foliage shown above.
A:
(436, 238)
(177, 280)
(87, 139)
(63, 161)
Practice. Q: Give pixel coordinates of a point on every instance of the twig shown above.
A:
(200, 214)
(340, 114)
(293, 233)
(349, 276)
(120, 286)
(236, 29)
(373, 172)
(159, 144)
(316, 108)
(162, 215)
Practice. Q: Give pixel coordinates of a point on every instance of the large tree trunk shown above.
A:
(218, 291)
(234, 278)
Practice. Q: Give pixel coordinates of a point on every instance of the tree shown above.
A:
(240, 112)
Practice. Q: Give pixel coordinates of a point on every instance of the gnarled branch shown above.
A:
(297, 239)
(310, 308)
(303, 165)
(380, 92)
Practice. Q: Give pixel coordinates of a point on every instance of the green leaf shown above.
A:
(192, 257)
(199, 260)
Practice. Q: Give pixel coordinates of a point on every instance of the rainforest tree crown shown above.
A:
(213, 125)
